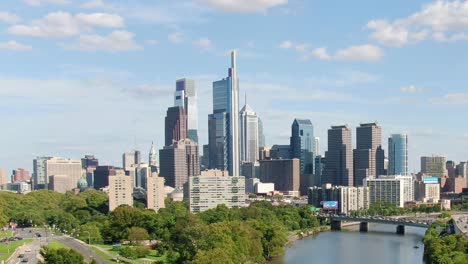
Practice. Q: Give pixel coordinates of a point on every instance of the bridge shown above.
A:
(365, 220)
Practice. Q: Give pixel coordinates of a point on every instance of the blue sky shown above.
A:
(93, 76)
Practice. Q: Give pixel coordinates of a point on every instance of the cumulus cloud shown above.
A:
(203, 43)
(360, 53)
(13, 45)
(97, 4)
(319, 53)
(118, 40)
(300, 47)
(435, 19)
(9, 18)
(176, 37)
(242, 6)
(411, 89)
(63, 24)
(287, 44)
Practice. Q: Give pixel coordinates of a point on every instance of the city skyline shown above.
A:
(56, 94)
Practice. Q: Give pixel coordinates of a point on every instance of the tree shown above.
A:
(61, 256)
(137, 234)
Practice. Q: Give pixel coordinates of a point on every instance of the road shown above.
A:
(461, 221)
(81, 248)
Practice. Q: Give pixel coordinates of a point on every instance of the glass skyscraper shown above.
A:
(398, 154)
(302, 147)
(186, 96)
(249, 133)
(223, 123)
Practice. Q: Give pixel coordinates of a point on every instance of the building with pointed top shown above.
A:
(248, 135)
(153, 158)
(186, 96)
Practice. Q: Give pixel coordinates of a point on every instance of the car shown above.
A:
(21, 256)
(25, 260)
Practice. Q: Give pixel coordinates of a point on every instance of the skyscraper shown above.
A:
(130, 159)
(186, 96)
(155, 194)
(398, 154)
(101, 176)
(302, 147)
(223, 124)
(40, 179)
(153, 158)
(70, 169)
(249, 135)
(120, 190)
(434, 166)
(317, 146)
(179, 161)
(261, 136)
(368, 156)
(339, 157)
(175, 125)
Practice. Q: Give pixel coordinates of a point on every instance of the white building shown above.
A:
(213, 188)
(428, 190)
(353, 198)
(120, 190)
(391, 189)
(248, 135)
(70, 172)
(155, 193)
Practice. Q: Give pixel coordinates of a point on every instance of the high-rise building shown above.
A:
(339, 157)
(317, 146)
(89, 164)
(264, 153)
(153, 159)
(60, 183)
(284, 173)
(178, 162)
(21, 175)
(175, 125)
(319, 165)
(248, 135)
(72, 169)
(434, 166)
(120, 190)
(427, 190)
(349, 198)
(223, 123)
(155, 193)
(391, 189)
(451, 168)
(302, 144)
(142, 172)
(3, 177)
(368, 156)
(205, 159)
(40, 179)
(130, 159)
(462, 169)
(186, 96)
(213, 188)
(280, 152)
(101, 176)
(261, 136)
(398, 155)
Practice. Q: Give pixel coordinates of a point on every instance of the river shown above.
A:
(380, 245)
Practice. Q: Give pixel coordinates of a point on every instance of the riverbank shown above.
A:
(307, 233)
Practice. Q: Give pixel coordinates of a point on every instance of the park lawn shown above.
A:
(102, 254)
(4, 234)
(13, 246)
(55, 244)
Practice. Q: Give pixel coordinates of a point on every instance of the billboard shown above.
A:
(330, 205)
(430, 179)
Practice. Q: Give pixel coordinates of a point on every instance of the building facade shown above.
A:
(427, 190)
(339, 157)
(101, 176)
(186, 96)
(395, 190)
(40, 179)
(398, 155)
(223, 123)
(3, 177)
(153, 160)
(249, 135)
(130, 160)
(369, 155)
(349, 198)
(155, 193)
(285, 174)
(72, 169)
(120, 190)
(302, 144)
(434, 166)
(20, 175)
(213, 188)
(175, 125)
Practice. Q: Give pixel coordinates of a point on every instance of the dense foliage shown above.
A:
(246, 235)
(61, 256)
(442, 248)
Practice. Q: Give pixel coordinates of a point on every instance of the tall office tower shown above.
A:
(212, 188)
(175, 125)
(280, 152)
(3, 177)
(89, 164)
(223, 123)
(339, 157)
(319, 164)
(155, 193)
(153, 159)
(462, 169)
(261, 136)
(101, 176)
(368, 156)
(302, 147)
(205, 159)
(120, 190)
(451, 166)
(317, 146)
(248, 135)
(142, 172)
(130, 159)
(40, 179)
(21, 175)
(434, 166)
(398, 155)
(186, 96)
(72, 169)
(178, 162)
(284, 173)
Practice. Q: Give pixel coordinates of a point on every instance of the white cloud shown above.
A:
(40, 2)
(13, 45)
(319, 53)
(287, 44)
(360, 53)
(411, 89)
(63, 24)
(243, 6)
(433, 19)
(97, 4)
(9, 18)
(203, 43)
(300, 47)
(118, 40)
(176, 37)
(452, 99)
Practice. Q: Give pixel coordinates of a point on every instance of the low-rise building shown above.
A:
(120, 190)
(391, 189)
(155, 193)
(427, 190)
(349, 198)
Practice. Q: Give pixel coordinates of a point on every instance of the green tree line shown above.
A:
(443, 248)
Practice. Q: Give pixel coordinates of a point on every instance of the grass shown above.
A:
(13, 246)
(108, 248)
(55, 244)
(102, 254)
(4, 234)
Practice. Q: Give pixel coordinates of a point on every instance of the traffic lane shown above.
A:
(83, 249)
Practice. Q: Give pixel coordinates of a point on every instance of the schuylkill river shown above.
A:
(379, 246)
